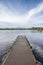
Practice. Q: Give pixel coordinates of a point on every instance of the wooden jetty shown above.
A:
(20, 54)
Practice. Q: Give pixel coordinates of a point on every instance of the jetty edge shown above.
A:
(29, 45)
(7, 54)
(20, 53)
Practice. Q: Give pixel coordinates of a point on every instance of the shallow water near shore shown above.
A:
(7, 37)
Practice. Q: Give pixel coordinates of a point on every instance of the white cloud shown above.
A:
(7, 16)
(35, 10)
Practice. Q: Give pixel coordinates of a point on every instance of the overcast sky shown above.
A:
(21, 13)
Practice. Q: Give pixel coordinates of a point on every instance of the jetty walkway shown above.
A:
(20, 54)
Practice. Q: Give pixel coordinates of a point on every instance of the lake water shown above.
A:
(7, 37)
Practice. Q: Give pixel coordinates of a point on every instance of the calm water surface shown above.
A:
(7, 37)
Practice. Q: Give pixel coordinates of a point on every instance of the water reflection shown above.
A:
(36, 40)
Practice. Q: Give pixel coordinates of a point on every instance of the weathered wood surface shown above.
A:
(21, 53)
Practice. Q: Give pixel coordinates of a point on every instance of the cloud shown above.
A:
(8, 16)
(35, 10)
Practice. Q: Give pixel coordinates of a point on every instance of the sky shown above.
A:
(21, 13)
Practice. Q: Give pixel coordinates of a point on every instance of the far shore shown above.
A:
(40, 29)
